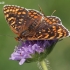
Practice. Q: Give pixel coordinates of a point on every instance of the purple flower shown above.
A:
(29, 51)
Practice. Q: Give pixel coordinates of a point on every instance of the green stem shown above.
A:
(44, 65)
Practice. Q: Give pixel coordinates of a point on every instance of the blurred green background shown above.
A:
(59, 58)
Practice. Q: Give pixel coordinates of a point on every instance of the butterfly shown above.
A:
(30, 24)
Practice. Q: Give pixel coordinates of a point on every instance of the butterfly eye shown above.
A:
(18, 39)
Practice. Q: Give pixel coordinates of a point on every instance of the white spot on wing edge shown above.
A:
(13, 6)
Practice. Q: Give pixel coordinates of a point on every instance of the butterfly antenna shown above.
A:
(6, 35)
(53, 12)
(41, 9)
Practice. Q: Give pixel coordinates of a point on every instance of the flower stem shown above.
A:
(42, 65)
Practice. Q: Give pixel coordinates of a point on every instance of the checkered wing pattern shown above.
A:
(50, 32)
(16, 18)
(32, 25)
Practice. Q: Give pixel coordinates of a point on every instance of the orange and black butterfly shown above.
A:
(30, 24)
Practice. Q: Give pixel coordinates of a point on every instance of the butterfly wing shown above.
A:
(16, 17)
(51, 28)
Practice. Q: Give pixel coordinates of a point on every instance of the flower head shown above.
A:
(35, 50)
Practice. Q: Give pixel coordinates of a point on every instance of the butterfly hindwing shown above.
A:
(49, 32)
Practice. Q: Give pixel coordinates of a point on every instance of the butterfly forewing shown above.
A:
(32, 25)
(16, 18)
(20, 19)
